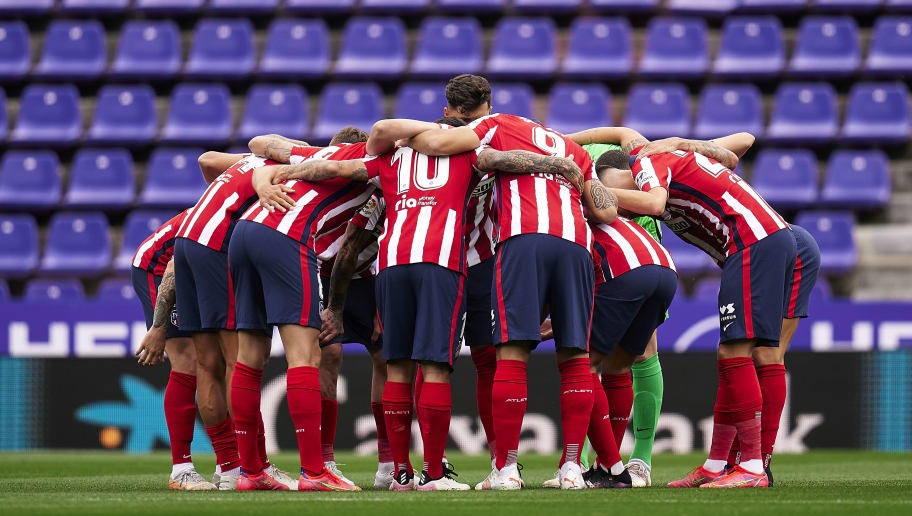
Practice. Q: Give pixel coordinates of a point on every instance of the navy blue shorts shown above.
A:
(275, 279)
(479, 329)
(630, 307)
(205, 298)
(360, 309)
(535, 271)
(146, 286)
(422, 312)
(804, 276)
(755, 290)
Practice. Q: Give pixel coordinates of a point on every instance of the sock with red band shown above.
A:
(601, 434)
(774, 389)
(619, 390)
(224, 444)
(576, 400)
(245, 406)
(303, 385)
(180, 414)
(485, 359)
(509, 396)
(736, 412)
(397, 412)
(383, 447)
(330, 416)
(436, 406)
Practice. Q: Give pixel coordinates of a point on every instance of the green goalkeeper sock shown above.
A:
(648, 387)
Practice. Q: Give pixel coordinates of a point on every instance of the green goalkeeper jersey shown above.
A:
(649, 223)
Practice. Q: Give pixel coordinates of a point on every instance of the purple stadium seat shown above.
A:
(77, 243)
(614, 6)
(898, 5)
(394, 6)
(512, 98)
(599, 47)
(471, 5)
(574, 107)
(675, 47)
(523, 48)
(113, 290)
(168, 6)
(786, 178)
(124, 115)
(772, 6)
(729, 108)
(688, 259)
(18, 245)
(233, 7)
(834, 233)
(891, 46)
(296, 48)
(54, 290)
(857, 179)
(372, 47)
(702, 7)
(4, 117)
(803, 112)
(173, 179)
(855, 6)
(877, 113)
(15, 50)
(4, 290)
(658, 110)
(48, 115)
(138, 225)
(420, 101)
(29, 180)
(447, 47)
(308, 7)
(707, 289)
(275, 108)
(222, 48)
(750, 46)
(827, 45)
(94, 6)
(546, 6)
(101, 178)
(199, 113)
(28, 7)
(148, 49)
(343, 104)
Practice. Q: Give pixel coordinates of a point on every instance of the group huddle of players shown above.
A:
(490, 228)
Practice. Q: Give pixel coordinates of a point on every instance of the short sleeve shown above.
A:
(647, 175)
(299, 153)
(485, 128)
(372, 164)
(372, 213)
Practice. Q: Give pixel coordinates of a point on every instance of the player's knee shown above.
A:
(767, 356)
(735, 349)
(435, 372)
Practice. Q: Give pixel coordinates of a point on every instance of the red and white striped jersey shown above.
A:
(481, 222)
(427, 197)
(154, 253)
(318, 204)
(536, 203)
(327, 244)
(211, 221)
(624, 245)
(708, 206)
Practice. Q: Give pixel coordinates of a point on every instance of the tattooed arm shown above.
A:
(525, 162)
(274, 147)
(600, 202)
(317, 170)
(445, 142)
(627, 138)
(739, 143)
(385, 133)
(356, 239)
(151, 348)
(707, 148)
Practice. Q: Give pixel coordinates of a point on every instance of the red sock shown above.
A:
(303, 385)
(224, 443)
(509, 395)
(619, 390)
(261, 443)
(397, 412)
(436, 404)
(485, 359)
(575, 406)
(245, 406)
(328, 420)
(180, 414)
(738, 400)
(601, 434)
(383, 446)
(419, 384)
(734, 456)
(773, 387)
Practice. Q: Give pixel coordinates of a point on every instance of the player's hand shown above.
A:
(375, 335)
(402, 142)
(151, 349)
(332, 325)
(660, 147)
(275, 197)
(546, 331)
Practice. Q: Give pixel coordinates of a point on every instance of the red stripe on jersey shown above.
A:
(326, 247)
(746, 293)
(796, 287)
(154, 253)
(536, 203)
(624, 245)
(480, 226)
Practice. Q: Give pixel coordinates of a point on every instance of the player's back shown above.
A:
(623, 245)
(154, 253)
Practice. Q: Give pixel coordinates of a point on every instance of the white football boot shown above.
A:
(384, 475)
(282, 477)
(640, 473)
(190, 480)
(552, 483)
(506, 479)
(333, 468)
(571, 476)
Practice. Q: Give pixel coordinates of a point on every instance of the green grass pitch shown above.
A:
(839, 482)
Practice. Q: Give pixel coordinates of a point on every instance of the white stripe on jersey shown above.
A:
(710, 216)
(711, 251)
(447, 243)
(346, 206)
(632, 260)
(646, 243)
(145, 247)
(289, 218)
(541, 205)
(420, 235)
(651, 177)
(748, 215)
(253, 207)
(394, 238)
(332, 249)
(780, 223)
(261, 216)
(198, 210)
(217, 219)
(568, 231)
(472, 256)
(515, 209)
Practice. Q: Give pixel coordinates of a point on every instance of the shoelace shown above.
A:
(449, 471)
(190, 475)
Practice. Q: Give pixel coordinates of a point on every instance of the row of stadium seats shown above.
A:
(522, 47)
(104, 179)
(199, 113)
(80, 243)
(405, 6)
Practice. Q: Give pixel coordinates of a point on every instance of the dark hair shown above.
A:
(613, 159)
(466, 93)
(450, 120)
(349, 134)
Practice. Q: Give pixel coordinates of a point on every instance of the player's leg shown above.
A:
(478, 338)
(330, 367)
(648, 389)
(385, 468)
(213, 408)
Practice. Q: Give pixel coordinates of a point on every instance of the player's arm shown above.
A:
(642, 203)
(152, 347)
(385, 133)
(213, 163)
(739, 143)
(319, 170)
(274, 147)
(600, 202)
(273, 194)
(355, 240)
(712, 149)
(525, 162)
(445, 142)
(626, 137)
